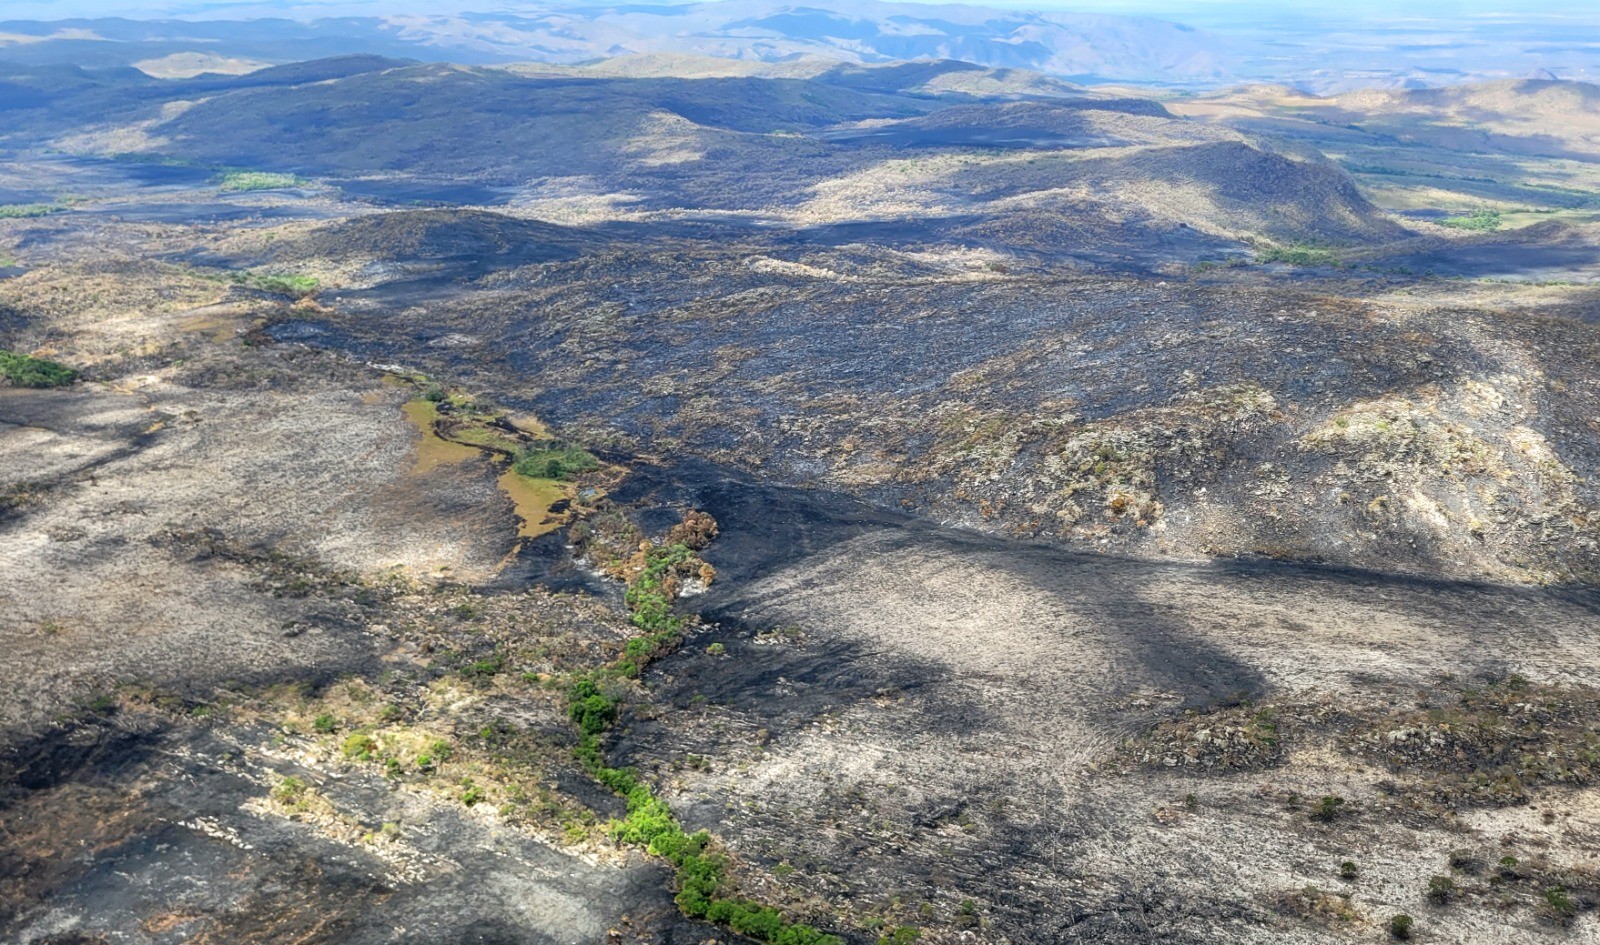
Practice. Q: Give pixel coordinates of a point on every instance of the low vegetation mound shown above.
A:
(1467, 744)
(245, 181)
(17, 211)
(21, 370)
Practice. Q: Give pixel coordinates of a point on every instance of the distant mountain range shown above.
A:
(1121, 48)
(1319, 54)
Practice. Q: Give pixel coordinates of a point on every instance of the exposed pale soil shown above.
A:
(226, 556)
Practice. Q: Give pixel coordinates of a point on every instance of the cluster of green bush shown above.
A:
(650, 822)
(554, 462)
(25, 371)
(16, 211)
(277, 283)
(1482, 221)
(701, 874)
(592, 710)
(241, 181)
(651, 825)
(651, 604)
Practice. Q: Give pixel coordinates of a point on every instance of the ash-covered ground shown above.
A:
(1131, 523)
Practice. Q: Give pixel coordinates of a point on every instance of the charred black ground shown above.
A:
(992, 510)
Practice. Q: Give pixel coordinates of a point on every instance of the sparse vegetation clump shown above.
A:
(21, 370)
(1560, 902)
(1314, 904)
(18, 211)
(559, 462)
(650, 823)
(1481, 221)
(1328, 809)
(1441, 889)
(1400, 927)
(243, 181)
(1489, 744)
(1236, 737)
(359, 747)
(290, 791)
(294, 286)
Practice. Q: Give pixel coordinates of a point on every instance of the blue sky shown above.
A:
(1176, 9)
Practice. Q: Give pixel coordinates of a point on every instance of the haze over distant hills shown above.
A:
(1216, 46)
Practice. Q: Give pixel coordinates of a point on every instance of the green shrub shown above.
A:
(554, 462)
(1400, 926)
(1560, 902)
(1328, 808)
(25, 371)
(651, 824)
(1440, 889)
(591, 709)
(16, 211)
(241, 181)
(277, 283)
(1347, 870)
(325, 724)
(1482, 221)
(359, 747)
(289, 791)
(483, 669)
(471, 793)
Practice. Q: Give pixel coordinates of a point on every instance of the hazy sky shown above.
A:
(1585, 10)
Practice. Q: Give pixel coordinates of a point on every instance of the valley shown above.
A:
(992, 509)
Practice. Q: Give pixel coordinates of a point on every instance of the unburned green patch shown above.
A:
(1479, 221)
(278, 283)
(21, 370)
(18, 211)
(559, 462)
(244, 181)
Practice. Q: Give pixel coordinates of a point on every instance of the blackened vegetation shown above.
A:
(1463, 745)
(1243, 736)
(1556, 893)
(1492, 744)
